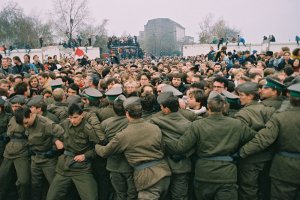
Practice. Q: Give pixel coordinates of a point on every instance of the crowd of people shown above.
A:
(125, 47)
(224, 125)
(122, 41)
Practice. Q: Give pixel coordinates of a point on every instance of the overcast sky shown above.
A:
(254, 18)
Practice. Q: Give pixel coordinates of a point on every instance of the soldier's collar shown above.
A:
(35, 121)
(135, 121)
(252, 103)
(81, 124)
(215, 115)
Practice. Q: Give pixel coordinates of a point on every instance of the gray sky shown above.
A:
(254, 18)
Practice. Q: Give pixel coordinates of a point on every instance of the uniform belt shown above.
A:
(147, 165)
(69, 153)
(289, 154)
(218, 158)
(47, 154)
(18, 139)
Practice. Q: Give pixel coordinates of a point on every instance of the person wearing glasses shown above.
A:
(220, 84)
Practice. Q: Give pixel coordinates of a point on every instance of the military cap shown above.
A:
(27, 75)
(2, 101)
(294, 90)
(57, 83)
(131, 100)
(74, 99)
(18, 76)
(248, 88)
(121, 98)
(170, 88)
(20, 99)
(37, 101)
(272, 83)
(113, 93)
(92, 93)
(214, 94)
(230, 97)
(162, 97)
(294, 81)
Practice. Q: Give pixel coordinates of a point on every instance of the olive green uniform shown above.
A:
(284, 128)
(142, 145)
(274, 102)
(189, 115)
(105, 189)
(4, 120)
(77, 140)
(16, 155)
(41, 136)
(59, 109)
(147, 115)
(51, 116)
(254, 180)
(121, 173)
(106, 112)
(216, 138)
(173, 126)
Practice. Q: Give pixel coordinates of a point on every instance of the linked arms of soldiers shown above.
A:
(185, 142)
(263, 139)
(115, 146)
(57, 132)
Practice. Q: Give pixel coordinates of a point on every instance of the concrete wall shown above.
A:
(45, 52)
(198, 49)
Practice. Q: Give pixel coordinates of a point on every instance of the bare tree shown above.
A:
(101, 37)
(17, 29)
(205, 29)
(219, 28)
(70, 16)
(97, 33)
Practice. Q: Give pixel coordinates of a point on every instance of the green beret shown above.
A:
(37, 101)
(248, 88)
(20, 99)
(131, 100)
(272, 83)
(294, 90)
(164, 96)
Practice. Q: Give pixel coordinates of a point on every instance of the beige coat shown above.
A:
(141, 142)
